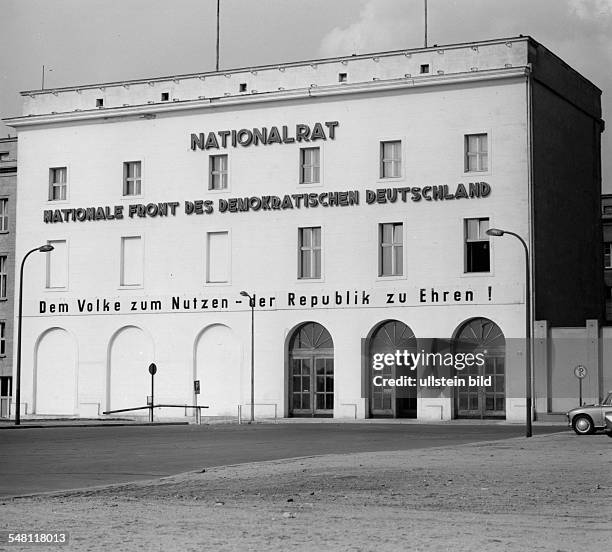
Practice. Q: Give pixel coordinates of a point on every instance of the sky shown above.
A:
(92, 41)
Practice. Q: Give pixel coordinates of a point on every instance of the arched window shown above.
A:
(488, 398)
(311, 371)
(387, 401)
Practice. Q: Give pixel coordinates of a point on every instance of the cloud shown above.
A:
(381, 25)
(591, 9)
(396, 24)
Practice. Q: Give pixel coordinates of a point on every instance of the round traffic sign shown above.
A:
(152, 369)
(580, 371)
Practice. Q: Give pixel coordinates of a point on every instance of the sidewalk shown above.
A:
(101, 422)
(548, 493)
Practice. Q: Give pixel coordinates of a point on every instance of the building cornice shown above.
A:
(376, 86)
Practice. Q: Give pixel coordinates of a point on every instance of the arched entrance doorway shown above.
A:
(56, 373)
(129, 382)
(218, 356)
(311, 371)
(387, 401)
(481, 335)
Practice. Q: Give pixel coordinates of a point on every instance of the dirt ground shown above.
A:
(548, 493)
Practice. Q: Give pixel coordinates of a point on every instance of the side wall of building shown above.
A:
(566, 111)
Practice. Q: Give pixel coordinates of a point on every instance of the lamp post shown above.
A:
(498, 232)
(43, 249)
(252, 304)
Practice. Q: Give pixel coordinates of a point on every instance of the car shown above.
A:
(589, 418)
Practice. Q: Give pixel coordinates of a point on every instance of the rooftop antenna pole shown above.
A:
(218, 9)
(42, 84)
(425, 23)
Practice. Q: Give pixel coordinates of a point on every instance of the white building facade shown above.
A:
(351, 196)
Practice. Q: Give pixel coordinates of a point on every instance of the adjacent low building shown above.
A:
(8, 186)
(351, 197)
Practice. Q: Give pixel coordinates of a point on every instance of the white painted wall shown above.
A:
(430, 123)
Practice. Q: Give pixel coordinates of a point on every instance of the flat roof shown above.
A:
(284, 64)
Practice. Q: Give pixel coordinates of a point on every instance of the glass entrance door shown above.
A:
(488, 398)
(312, 392)
(382, 397)
(387, 401)
(311, 372)
(483, 401)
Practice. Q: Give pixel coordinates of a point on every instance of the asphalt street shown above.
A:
(60, 458)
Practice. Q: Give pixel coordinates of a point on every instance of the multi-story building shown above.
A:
(352, 197)
(606, 212)
(8, 186)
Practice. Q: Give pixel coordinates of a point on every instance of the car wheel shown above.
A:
(583, 425)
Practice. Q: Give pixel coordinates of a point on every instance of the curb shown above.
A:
(102, 424)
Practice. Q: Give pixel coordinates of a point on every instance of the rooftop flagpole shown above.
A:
(425, 23)
(218, 10)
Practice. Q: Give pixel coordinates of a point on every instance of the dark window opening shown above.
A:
(478, 257)
(99, 102)
(6, 388)
(165, 96)
(342, 77)
(425, 68)
(243, 87)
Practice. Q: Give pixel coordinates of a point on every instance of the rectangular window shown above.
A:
(476, 153)
(132, 260)
(608, 255)
(3, 276)
(57, 183)
(391, 159)
(391, 250)
(309, 250)
(2, 338)
(310, 165)
(4, 155)
(132, 178)
(6, 386)
(4, 215)
(217, 257)
(218, 172)
(57, 265)
(477, 245)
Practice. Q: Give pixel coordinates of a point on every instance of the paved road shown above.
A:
(50, 459)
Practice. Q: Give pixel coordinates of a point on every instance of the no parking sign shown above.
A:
(580, 372)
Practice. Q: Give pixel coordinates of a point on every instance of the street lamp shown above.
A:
(43, 249)
(498, 232)
(252, 304)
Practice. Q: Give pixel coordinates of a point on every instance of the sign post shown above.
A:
(196, 390)
(152, 371)
(580, 372)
